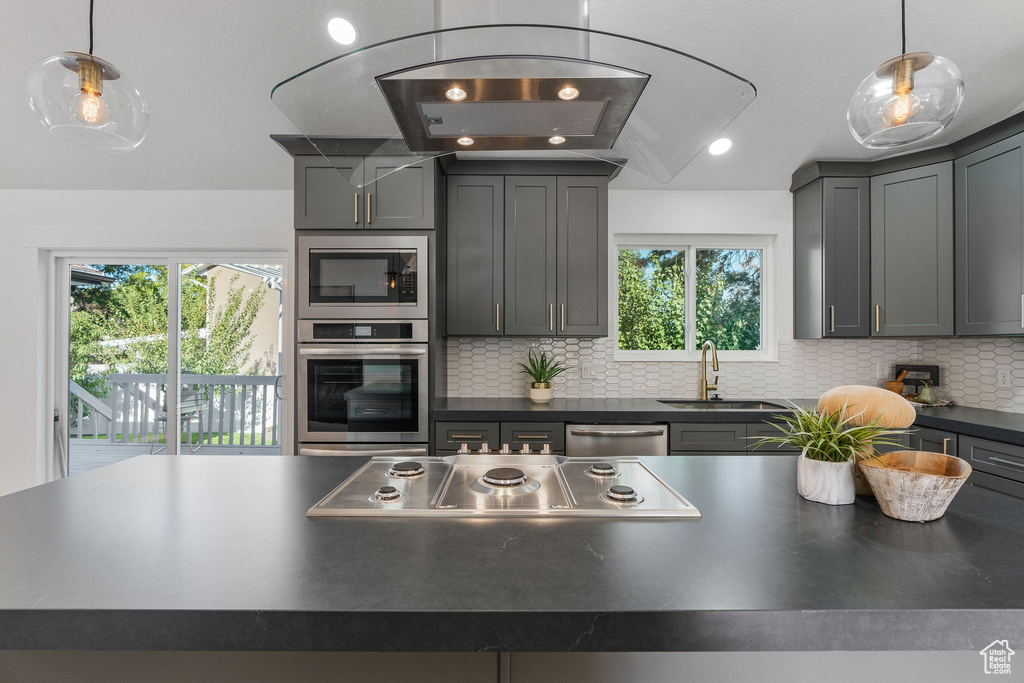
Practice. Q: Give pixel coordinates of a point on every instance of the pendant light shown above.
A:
(907, 99)
(87, 101)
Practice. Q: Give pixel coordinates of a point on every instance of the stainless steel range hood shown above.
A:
(653, 106)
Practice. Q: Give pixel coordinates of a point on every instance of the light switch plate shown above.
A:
(588, 371)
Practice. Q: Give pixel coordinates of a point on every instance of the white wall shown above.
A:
(34, 221)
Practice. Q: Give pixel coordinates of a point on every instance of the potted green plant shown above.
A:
(542, 368)
(830, 444)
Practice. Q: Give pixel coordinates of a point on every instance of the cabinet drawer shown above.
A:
(933, 441)
(758, 429)
(697, 436)
(993, 457)
(450, 435)
(516, 434)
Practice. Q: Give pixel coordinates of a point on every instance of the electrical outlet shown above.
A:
(588, 371)
(1004, 380)
(881, 371)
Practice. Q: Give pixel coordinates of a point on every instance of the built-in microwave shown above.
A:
(362, 277)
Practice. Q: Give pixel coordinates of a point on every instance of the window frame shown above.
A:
(691, 243)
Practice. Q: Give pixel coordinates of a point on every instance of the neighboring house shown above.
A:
(267, 330)
(997, 656)
(85, 276)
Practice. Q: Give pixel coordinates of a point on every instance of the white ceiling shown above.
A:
(206, 70)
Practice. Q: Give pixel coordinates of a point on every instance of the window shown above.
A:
(673, 297)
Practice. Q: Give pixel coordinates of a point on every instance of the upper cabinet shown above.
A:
(831, 238)
(527, 255)
(912, 252)
(384, 193)
(990, 239)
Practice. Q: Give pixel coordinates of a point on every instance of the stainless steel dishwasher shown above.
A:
(596, 440)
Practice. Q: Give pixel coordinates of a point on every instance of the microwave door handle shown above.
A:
(396, 451)
(364, 352)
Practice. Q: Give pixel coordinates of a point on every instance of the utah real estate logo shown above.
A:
(997, 657)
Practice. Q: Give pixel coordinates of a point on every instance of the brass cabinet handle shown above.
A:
(466, 436)
(369, 208)
(878, 313)
(355, 209)
(551, 317)
(945, 445)
(832, 318)
(562, 307)
(520, 437)
(497, 317)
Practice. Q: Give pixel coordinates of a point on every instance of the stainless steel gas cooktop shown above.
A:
(504, 486)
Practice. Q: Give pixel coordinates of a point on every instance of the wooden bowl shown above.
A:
(915, 486)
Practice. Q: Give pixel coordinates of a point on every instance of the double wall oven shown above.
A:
(362, 346)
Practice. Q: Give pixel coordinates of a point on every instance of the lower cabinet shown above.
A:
(707, 437)
(933, 441)
(996, 465)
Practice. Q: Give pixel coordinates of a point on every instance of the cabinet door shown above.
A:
(530, 259)
(399, 193)
(328, 192)
(932, 441)
(912, 252)
(582, 248)
(808, 275)
(534, 434)
(707, 437)
(475, 243)
(846, 267)
(990, 239)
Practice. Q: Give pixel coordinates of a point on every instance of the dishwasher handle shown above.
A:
(414, 452)
(614, 433)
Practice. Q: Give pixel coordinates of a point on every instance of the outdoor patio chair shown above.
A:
(190, 408)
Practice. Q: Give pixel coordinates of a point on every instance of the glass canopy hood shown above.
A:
(517, 90)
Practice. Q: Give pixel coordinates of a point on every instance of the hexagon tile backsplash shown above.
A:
(487, 367)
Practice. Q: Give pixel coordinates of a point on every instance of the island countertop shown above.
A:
(216, 553)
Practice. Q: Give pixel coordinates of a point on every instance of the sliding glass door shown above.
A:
(218, 327)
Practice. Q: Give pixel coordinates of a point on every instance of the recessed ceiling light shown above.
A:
(556, 139)
(465, 141)
(456, 94)
(568, 93)
(720, 146)
(342, 31)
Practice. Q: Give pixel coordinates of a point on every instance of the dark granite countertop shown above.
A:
(979, 422)
(594, 410)
(215, 553)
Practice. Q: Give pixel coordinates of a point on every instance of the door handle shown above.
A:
(369, 208)
(945, 445)
(878, 315)
(362, 352)
(355, 209)
(394, 451)
(562, 306)
(497, 317)
(277, 388)
(832, 318)
(551, 317)
(624, 432)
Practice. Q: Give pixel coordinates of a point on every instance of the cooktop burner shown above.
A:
(504, 476)
(505, 485)
(406, 469)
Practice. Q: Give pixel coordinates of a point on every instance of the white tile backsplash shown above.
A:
(969, 366)
(486, 367)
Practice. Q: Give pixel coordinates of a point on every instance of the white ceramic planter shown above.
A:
(541, 393)
(826, 482)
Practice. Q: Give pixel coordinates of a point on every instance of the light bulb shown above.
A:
(568, 93)
(465, 141)
(456, 94)
(556, 139)
(90, 108)
(900, 107)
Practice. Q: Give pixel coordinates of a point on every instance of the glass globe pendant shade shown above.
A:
(908, 99)
(88, 102)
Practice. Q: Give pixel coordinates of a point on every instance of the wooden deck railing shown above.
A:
(235, 409)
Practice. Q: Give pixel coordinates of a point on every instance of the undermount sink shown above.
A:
(723, 405)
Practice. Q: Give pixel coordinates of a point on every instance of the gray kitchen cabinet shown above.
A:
(912, 252)
(582, 249)
(530, 255)
(475, 255)
(451, 435)
(831, 243)
(989, 185)
(399, 193)
(707, 437)
(534, 434)
(996, 465)
(933, 440)
(327, 192)
(355, 193)
(904, 442)
(756, 430)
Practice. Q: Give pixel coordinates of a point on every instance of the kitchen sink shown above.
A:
(723, 405)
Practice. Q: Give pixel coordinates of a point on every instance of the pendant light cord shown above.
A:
(903, 23)
(90, 25)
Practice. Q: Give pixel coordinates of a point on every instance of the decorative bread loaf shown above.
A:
(862, 405)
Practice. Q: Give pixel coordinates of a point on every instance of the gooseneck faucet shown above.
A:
(704, 386)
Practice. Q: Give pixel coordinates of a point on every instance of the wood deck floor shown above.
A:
(89, 456)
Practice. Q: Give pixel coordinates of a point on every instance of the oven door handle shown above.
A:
(364, 352)
(368, 453)
(619, 433)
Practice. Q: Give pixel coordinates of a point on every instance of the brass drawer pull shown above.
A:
(467, 436)
(369, 208)
(355, 209)
(945, 444)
